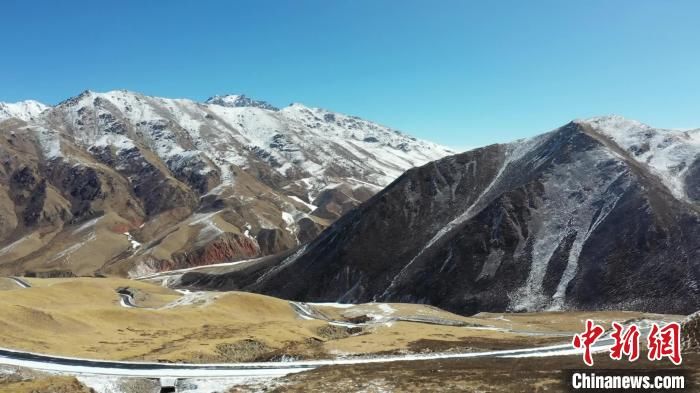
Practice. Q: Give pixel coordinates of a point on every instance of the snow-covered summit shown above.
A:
(239, 101)
(667, 153)
(310, 147)
(23, 110)
(614, 122)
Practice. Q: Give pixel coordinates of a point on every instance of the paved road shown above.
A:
(269, 369)
(127, 300)
(20, 282)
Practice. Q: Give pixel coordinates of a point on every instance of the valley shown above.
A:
(155, 243)
(349, 196)
(86, 318)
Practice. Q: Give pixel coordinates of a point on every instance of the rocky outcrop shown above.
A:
(149, 182)
(50, 274)
(227, 247)
(308, 230)
(240, 101)
(334, 202)
(690, 333)
(36, 202)
(273, 241)
(692, 184)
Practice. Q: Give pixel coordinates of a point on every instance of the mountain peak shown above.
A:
(238, 101)
(76, 99)
(24, 110)
(614, 122)
(298, 105)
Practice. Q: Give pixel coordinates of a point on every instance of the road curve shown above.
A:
(127, 300)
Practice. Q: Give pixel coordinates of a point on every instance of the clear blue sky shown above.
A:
(462, 73)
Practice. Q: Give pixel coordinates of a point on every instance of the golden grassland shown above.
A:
(83, 317)
(7, 284)
(47, 384)
(487, 375)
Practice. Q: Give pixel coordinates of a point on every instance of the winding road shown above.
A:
(268, 369)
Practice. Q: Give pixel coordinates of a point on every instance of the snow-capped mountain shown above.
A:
(668, 154)
(297, 143)
(24, 110)
(601, 213)
(181, 183)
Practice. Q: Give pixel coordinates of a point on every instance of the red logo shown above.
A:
(626, 343)
(587, 339)
(663, 342)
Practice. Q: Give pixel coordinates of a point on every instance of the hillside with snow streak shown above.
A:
(599, 214)
(132, 184)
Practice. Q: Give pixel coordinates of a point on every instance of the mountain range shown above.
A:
(602, 213)
(598, 214)
(128, 184)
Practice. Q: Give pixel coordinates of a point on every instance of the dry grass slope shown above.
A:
(83, 317)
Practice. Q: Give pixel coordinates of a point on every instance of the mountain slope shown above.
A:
(598, 214)
(126, 183)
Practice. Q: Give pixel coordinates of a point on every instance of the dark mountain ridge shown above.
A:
(584, 217)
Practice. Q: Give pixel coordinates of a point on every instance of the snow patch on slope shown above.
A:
(120, 142)
(49, 142)
(514, 153)
(574, 204)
